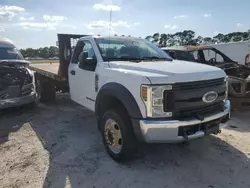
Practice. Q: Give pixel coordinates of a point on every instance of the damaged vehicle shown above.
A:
(16, 80)
(238, 75)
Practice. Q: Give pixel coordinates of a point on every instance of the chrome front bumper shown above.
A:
(7, 103)
(158, 131)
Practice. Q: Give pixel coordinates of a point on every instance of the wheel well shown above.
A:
(109, 102)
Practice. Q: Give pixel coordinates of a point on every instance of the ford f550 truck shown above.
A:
(137, 91)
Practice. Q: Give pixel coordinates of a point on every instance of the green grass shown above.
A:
(44, 61)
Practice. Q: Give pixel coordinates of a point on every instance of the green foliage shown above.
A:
(187, 37)
(45, 52)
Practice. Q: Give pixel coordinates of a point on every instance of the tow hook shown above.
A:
(217, 132)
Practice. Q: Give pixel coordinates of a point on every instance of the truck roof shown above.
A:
(110, 37)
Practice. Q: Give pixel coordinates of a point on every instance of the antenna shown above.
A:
(110, 21)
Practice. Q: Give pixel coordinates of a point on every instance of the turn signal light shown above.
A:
(144, 93)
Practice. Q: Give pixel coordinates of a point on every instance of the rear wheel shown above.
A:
(45, 91)
(118, 136)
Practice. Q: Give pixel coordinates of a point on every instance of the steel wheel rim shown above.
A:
(113, 136)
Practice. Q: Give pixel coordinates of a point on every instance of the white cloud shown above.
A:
(8, 12)
(171, 27)
(2, 28)
(57, 19)
(180, 16)
(28, 19)
(106, 7)
(105, 24)
(207, 15)
(47, 26)
(49, 23)
(239, 24)
(136, 23)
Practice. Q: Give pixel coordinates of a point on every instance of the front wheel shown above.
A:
(118, 136)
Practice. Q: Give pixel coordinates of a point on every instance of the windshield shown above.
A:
(10, 53)
(129, 49)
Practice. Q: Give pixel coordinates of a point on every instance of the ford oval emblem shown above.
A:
(210, 97)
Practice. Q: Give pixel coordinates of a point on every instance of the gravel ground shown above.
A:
(58, 145)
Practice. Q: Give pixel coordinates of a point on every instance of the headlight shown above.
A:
(226, 93)
(153, 97)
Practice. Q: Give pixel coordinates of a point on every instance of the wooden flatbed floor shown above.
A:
(52, 68)
(47, 70)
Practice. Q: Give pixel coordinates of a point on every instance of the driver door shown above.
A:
(82, 75)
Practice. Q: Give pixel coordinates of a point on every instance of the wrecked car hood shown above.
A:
(13, 62)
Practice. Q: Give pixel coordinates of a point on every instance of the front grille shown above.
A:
(198, 84)
(202, 111)
(185, 99)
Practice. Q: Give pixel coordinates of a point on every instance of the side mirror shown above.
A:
(91, 61)
(85, 61)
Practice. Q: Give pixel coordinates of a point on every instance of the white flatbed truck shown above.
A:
(137, 91)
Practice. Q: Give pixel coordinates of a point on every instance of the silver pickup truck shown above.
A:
(16, 80)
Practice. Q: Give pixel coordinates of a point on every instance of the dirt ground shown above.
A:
(58, 145)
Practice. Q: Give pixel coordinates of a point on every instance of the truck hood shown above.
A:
(169, 71)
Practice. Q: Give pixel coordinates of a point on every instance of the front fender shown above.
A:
(122, 94)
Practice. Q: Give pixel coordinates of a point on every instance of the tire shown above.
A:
(127, 143)
(38, 90)
(45, 91)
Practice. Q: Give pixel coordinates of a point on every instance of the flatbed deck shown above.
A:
(47, 69)
(52, 68)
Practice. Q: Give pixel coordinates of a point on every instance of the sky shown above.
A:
(32, 23)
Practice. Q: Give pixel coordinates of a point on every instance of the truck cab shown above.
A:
(140, 94)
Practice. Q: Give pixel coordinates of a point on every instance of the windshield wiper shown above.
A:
(136, 59)
(155, 58)
(133, 59)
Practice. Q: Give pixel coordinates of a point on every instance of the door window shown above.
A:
(211, 55)
(85, 56)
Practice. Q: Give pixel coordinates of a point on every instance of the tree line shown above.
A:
(46, 52)
(186, 37)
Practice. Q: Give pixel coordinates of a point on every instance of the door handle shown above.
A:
(73, 72)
